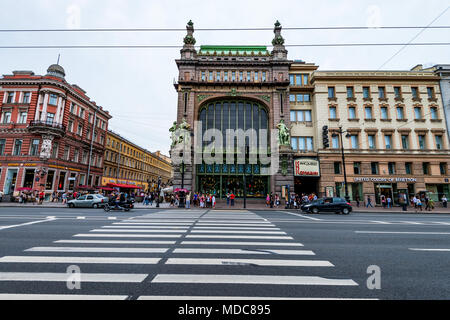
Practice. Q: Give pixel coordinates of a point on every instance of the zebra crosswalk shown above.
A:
(181, 253)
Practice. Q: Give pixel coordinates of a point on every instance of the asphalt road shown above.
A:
(217, 254)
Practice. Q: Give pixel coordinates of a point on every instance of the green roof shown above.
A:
(233, 50)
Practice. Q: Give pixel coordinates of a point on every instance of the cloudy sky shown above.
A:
(136, 85)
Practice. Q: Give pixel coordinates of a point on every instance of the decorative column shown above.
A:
(44, 108)
(36, 114)
(58, 109)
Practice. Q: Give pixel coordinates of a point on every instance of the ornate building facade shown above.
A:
(52, 135)
(393, 122)
(128, 164)
(230, 88)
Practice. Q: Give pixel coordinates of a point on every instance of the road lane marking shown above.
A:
(381, 222)
(250, 279)
(244, 251)
(425, 249)
(239, 243)
(409, 222)
(125, 235)
(239, 298)
(403, 232)
(14, 296)
(235, 224)
(238, 231)
(236, 228)
(97, 249)
(254, 262)
(62, 277)
(146, 227)
(116, 241)
(112, 218)
(238, 237)
(153, 224)
(300, 215)
(101, 260)
(81, 218)
(140, 230)
(27, 223)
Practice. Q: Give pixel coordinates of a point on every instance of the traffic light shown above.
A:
(326, 142)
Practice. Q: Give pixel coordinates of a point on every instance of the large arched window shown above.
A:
(234, 114)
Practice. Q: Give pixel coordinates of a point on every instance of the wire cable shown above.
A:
(179, 46)
(221, 29)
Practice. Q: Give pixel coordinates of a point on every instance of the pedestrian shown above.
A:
(268, 200)
(202, 201)
(430, 204)
(41, 197)
(213, 201)
(403, 201)
(444, 201)
(357, 200)
(418, 204)
(232, 199)
(383, 201)
(188, 200)
(1, 195)
(388, 201)
(369, 202)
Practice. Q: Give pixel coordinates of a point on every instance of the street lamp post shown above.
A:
(245, 180)
(341, 132)
(158, 191)
(182, 197)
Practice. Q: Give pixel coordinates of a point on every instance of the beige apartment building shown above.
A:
(394, 133)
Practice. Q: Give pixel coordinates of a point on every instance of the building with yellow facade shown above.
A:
(128, 164)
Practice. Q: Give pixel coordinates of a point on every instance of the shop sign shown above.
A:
(392, 180)
(306, 167)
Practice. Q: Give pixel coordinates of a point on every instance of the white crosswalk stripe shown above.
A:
(250, 279)
(166, 244)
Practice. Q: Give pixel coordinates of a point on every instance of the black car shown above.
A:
(338, 205)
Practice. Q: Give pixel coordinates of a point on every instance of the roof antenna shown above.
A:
(58, 59)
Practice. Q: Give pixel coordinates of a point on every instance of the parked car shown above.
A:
(88, 201)
(338, 205)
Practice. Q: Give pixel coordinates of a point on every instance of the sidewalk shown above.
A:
(238, 205)
(164, 205)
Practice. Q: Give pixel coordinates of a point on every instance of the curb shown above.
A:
(236, 208)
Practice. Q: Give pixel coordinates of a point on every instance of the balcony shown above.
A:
(47, 127)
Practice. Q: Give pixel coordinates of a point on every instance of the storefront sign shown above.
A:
(306, 167)
(393, 180)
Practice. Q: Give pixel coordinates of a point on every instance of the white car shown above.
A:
(88, 201)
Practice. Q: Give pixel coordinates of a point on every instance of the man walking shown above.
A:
(369, 202)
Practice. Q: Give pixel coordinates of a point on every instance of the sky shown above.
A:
(136, 85)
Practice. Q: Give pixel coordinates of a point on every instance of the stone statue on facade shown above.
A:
(172, 131)
(185, 134)
(283, 134)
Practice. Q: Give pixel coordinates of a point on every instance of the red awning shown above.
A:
(106, 188)
(124, 186)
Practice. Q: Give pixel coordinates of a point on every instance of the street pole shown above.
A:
(347, 198)
(245, 180)
(157, 195)
(181, 204)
